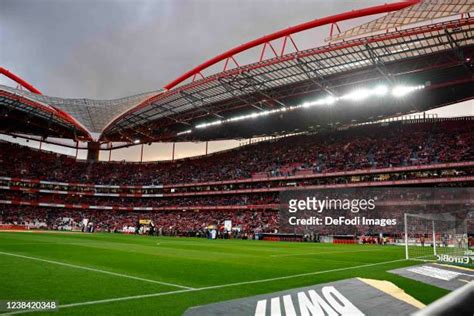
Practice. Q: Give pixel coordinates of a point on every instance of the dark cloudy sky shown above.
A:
(114, 48)
(106, 49)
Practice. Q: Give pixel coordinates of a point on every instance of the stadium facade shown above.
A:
(330, 115)
(336, 98)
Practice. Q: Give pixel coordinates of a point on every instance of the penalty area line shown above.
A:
(126, 298)
(95, 270)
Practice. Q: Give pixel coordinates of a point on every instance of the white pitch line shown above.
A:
(322, 252)
(96, 270)
(118, 299)
(126, 298)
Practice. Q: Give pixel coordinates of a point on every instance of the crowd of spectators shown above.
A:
(363, 147)
(245, 223)
(360, 147)
(223, 200)
(168, 223)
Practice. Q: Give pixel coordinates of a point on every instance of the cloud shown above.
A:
(107, 49)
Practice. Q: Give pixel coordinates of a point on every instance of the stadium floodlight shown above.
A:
(136, 141)
(354, 96)
(357, 95)
(362, 94)
(380, 90)
(184, 132)
(204, 125)
(330, 100)
(400, 91)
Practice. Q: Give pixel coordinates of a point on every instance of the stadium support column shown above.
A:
(207, 147)
(172, 153)
(434, 238)
(141, 154)
(93, 149)
(77, 148)
(110, 151)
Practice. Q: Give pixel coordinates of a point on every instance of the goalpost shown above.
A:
(428, 236)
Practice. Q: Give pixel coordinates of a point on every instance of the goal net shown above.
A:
(428, 236)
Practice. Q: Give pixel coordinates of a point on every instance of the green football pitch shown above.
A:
(99, 274)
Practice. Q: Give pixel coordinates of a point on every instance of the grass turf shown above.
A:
(217, 270)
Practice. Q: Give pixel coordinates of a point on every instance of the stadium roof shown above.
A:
(427, 42)
(91, 115)
(420, 12)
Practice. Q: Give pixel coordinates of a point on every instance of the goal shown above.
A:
(429, 236)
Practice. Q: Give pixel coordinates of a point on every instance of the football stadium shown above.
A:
(345, 192)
